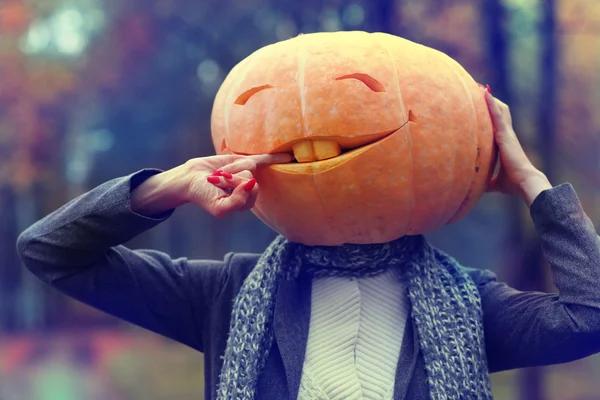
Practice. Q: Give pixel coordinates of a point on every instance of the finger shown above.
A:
(276, 158)
(245, 174)
(237, 201)
(219, 182)
(260, 159)
(216, 162)
(222, 173)
(251, 199)
(222, 159)
(225, 180)
(493, 185)
(498, 119)
(253, 162)
(505, 136)
(505, 110)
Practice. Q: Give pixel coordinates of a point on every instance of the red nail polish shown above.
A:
(248, 186)
(213, 179)
(489, 89)
(222, 173)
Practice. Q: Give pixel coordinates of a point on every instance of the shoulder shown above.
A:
(480, 277)
(216, 279)
(241, 263)
(237, 267)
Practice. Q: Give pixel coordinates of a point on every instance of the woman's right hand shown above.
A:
(218, 184)
(230, 184)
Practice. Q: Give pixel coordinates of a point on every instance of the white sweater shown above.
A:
(354, 339)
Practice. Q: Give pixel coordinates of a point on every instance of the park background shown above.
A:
(95, 89)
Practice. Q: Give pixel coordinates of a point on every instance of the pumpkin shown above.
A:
(390, 137)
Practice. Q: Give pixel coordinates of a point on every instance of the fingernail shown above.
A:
(213, 179)
(489, 89)
(480, 85)
(248, 186)
(222, 173)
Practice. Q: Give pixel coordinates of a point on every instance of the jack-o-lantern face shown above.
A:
(390, 137)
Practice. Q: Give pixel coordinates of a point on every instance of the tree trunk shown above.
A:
(547, 93)
(532, 383)
(10, 271)
(385, 16)
(525, 252)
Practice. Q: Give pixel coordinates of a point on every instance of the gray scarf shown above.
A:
(446, 310)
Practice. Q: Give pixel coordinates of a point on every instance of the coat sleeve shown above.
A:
(78, 249)
(526, 329)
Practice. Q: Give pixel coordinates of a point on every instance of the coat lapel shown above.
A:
(291, 324)
(409, 354)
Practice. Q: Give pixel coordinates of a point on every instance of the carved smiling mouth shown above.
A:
(334, 150)
(318, 148)
(320, 153)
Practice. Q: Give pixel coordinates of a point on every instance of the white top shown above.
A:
(355, 336)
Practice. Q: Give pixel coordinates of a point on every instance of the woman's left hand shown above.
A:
(516, 174)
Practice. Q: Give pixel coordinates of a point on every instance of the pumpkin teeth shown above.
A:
(325, 149)
(312, 150)
(303, 151)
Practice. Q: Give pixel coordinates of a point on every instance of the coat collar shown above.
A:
(291, 323)
(409, 353)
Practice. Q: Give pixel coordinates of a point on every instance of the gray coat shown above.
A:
(78, 250)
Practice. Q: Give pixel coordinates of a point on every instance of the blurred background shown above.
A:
(95, 89)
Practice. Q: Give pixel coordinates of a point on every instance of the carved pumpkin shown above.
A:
(390, 137)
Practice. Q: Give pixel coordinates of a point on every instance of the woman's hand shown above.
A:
(218, 184)
(516, 174)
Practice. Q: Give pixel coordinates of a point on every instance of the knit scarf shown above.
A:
(445, 308)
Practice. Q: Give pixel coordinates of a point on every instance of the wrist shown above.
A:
(532, 186)
(160, 193)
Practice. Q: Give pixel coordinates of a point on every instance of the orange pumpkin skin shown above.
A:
(417, 134)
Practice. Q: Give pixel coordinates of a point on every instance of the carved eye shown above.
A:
(368, 80)
(244, 97)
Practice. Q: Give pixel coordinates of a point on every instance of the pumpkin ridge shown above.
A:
(408, 136)
(301, 61)
(235, 84)
(477, 157)
(323, 202)
(448, 194)
(412, 178)
(460, 77)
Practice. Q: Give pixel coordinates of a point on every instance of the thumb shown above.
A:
(495, 183)
(493, 186)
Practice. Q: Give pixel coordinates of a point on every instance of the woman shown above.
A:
(309, 352)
